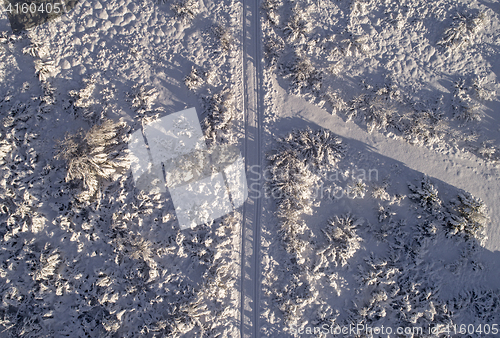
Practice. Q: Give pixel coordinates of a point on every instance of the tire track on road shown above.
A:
(252, 210)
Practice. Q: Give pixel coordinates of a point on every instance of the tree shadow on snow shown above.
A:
(459, 273)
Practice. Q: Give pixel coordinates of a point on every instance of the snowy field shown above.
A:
(370, 131)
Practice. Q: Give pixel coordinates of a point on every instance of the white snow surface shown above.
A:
(383, 233)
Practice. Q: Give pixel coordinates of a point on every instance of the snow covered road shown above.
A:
(252, 210)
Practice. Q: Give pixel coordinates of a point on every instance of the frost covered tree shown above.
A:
(380, 192)
(219, 112)
(94, 155)
(356, 189)
(291, 186)
(293, 296)
(421, 128)
(185, 10)
(463, 31)
(143, 98)
(82, 100)
(43, 69)
(385, 214)
(467, 112)
(82, 96)
(355, 45)
(483, 89)
(335, 100)
(465, 108)
(182, 316)
(271, 7)
(488, 150)
(469, 217)
(224, 37)
(298, 25)
(304, 75)
(36, 49)
(426, 194)
(376, 271)
(47, 266)
(195, 78)
(342, 240)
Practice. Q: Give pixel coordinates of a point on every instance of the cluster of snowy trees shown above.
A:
(398, 286)
(214, 88)
(488, 150)
(83, 96)
(292, 185)
(402, 286)
(386, 109)
(297, 26)
(294, 168)
(183, 307)
(44, 65)
(465, 216)
(311, 60)
(334, 99)
(483, 88)
(273, 48)
(105, 267)
(25, 267)
(482, 304)
(467, 98)
(142, 98)
(292, 294)
(195, 78)
(270, 8)
(426, 195)
(395, 287)
(116, 264)
(373, 110)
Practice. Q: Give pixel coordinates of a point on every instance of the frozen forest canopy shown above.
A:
(374, 125)
(387, 251)
(376, 63)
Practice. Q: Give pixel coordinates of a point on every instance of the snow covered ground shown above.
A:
(399, 83)
(370, 133)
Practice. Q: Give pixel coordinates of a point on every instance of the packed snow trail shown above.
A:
(252, 210)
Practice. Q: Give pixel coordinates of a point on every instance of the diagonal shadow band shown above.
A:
(26, 14)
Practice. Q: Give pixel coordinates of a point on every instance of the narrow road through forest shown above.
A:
(252, 147)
